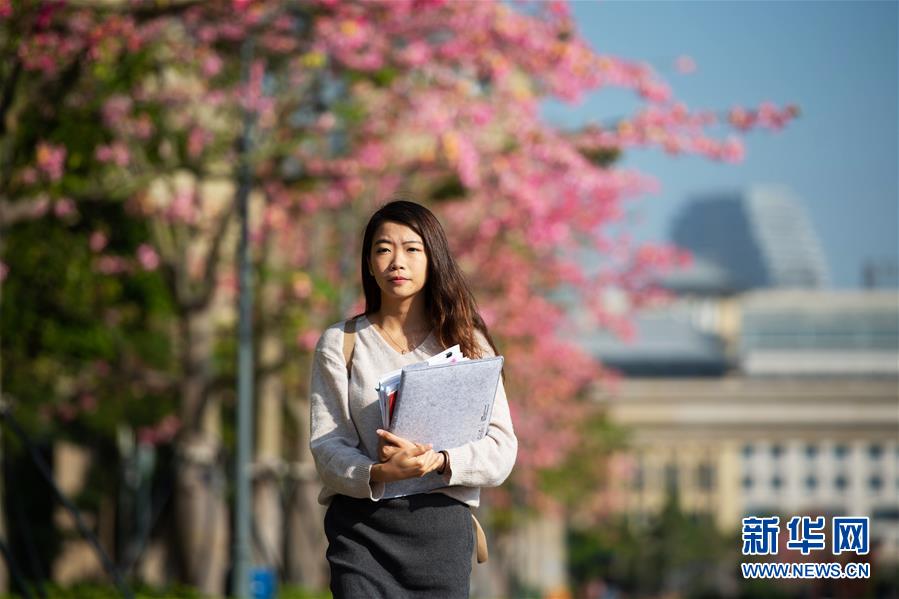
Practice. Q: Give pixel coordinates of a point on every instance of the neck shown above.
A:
(407, 315)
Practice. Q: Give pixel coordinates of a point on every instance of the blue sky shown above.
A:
(837, 60)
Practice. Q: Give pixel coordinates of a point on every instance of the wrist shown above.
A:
(376, 475)
(444, 463)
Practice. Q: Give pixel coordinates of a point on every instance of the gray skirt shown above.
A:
(415, 546)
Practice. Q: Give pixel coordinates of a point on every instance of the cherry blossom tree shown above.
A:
(141, 104)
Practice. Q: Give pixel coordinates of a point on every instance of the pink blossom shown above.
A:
(416, 53)
(732, 150)
(685, 64)
(51, 159)
(146, 436)
(147, 256)
(64, 207)
(481, 114)
(372, 156)
(559, 8)
(87, 402)
(5, 9)
(167, 428)
(45, 13)
(28, 175)
(197, 140)
(116, 110)
(253, 93)
(111, 265)
(45, 51)
(307, 340)
(212, 65)
(740, 119)
(183, 207)
(116, 153)
(98, 241)
(143, 127)
(232, 30)
(326, 121)
(768, 115)
(41, 206)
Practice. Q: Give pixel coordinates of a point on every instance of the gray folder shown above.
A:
(446, 405)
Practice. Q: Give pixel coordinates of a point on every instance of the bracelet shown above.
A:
(445, 461)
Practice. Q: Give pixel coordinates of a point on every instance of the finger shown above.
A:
(420, 448)
(412, 455)
(430, 463)
(435, 461)
(389, 437)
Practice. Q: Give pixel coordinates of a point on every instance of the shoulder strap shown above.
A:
(480, 540)
(349, 343)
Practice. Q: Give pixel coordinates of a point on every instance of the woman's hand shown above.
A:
(402, 459)
(389, 444)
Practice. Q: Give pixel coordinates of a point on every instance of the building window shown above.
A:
(747, 482)
(875, 483)
(875, 450)
(840, 482)
(776, 482)
(811, 451)
(811, 482)
(706, 477)
(777, 451)
(840, 451)
(671, 477)
(890, 513)
(748, 450)
(637, 481)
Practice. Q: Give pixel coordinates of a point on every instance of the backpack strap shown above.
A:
(349, 344)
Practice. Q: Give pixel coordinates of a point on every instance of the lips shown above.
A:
(397, 279)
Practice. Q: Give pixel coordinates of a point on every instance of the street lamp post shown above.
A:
(243, 509)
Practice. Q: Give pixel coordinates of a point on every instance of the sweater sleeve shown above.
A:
(488, 462)
(333, 438)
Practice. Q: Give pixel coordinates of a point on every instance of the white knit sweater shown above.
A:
(343, 422)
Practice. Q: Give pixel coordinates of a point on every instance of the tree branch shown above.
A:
(212, 262)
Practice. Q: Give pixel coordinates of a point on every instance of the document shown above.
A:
(447, 405)
(389, 383)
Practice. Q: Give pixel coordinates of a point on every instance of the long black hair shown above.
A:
(449, 303)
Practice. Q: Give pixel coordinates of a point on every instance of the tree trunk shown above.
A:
(76, 561)
(268, 509)
(306, 542)
(4, 573)
(201, 514)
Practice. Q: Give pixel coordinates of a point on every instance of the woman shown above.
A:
(417, 303)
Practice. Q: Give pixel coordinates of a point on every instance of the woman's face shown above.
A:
(398, 261)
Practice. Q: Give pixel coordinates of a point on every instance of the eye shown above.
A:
(381, 250)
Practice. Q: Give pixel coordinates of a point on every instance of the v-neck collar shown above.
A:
(390, 346)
